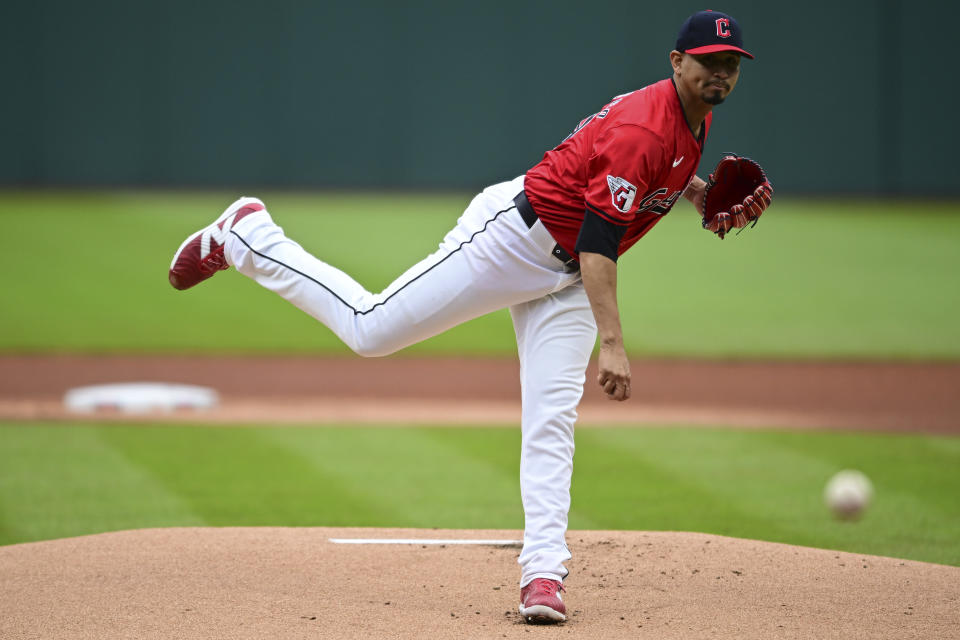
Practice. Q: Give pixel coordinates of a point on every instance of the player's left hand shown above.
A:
(695, 192)
(614, 375)
(736, 194)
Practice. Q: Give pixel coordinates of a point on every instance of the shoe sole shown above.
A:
(541, 614)
(236, 206)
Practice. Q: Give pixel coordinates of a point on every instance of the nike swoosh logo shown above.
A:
(677, 162)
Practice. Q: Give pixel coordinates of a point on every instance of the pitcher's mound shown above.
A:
(296, 583)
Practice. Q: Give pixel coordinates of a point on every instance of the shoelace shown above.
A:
(551, 587)
(215, 261)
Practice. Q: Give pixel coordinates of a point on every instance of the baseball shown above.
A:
(847, 494)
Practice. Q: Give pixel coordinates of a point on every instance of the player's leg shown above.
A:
(555, 337)
(489, 261)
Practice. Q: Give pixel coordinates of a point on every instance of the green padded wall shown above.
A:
(844, 97)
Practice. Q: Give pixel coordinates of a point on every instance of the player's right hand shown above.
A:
(614, 376)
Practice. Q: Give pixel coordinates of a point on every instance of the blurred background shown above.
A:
(843, 97)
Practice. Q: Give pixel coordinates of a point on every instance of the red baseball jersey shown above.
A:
(628, 163)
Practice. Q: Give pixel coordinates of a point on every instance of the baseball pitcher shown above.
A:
(545, 245)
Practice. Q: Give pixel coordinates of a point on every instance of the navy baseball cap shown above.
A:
(709, 31)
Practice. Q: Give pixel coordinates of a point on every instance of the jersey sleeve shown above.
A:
(625, 161)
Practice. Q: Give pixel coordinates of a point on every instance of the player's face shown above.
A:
(712, 76)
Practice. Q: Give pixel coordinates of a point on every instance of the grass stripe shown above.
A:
(59, 481)
(750, 487)
(501, 450)
(624, 479)
(420, 479)
(774, 481)
(242, 477)
(816, 278)
(917, 481)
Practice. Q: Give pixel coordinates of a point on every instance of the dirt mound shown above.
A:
(295, 583)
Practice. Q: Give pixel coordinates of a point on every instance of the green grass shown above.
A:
(86, 272)
(66, 480)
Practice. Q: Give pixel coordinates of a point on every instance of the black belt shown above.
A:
(570, 264)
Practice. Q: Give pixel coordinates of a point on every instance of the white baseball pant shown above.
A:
(489, 261)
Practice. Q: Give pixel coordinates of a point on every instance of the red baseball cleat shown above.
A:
(201, 255)
(540, 602)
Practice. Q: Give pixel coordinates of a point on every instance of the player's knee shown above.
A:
(370, 352)
(374, 338)
(374, 348)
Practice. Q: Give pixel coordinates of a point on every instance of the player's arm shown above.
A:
(597, 246)
(695, 193)
(622, 156)
(599, 275)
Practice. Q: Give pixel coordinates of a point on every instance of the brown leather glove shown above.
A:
(737, 193)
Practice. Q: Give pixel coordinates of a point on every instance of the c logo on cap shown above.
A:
(723, 27)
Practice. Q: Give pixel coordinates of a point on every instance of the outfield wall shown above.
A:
(843, 97)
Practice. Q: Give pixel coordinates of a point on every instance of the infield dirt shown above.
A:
(871, 396)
